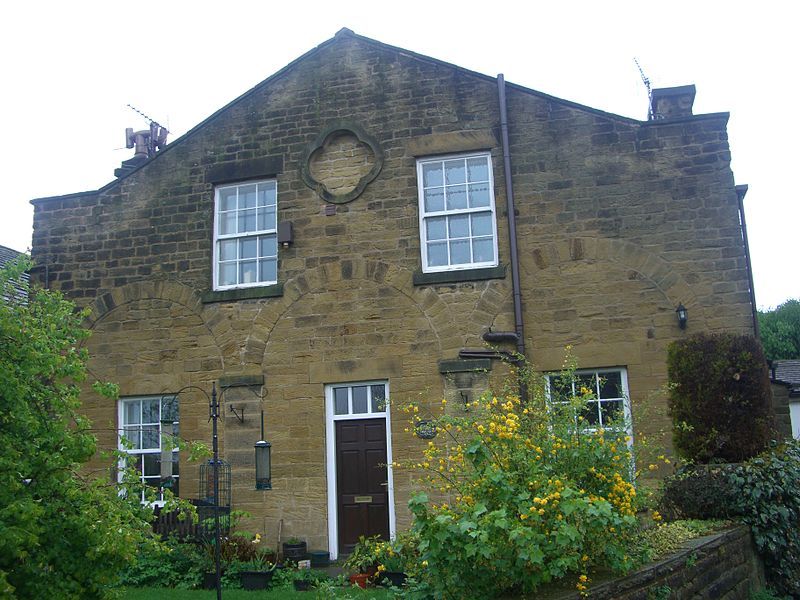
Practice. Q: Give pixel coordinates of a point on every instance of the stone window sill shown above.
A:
(268, 291)
(498, 272)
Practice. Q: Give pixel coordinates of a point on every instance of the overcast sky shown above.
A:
(70, 68)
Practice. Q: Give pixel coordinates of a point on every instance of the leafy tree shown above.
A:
(62, 534)
(780, 331)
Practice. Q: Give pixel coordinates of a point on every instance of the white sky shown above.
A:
(69, 69)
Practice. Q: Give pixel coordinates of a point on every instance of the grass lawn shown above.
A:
(279, 594)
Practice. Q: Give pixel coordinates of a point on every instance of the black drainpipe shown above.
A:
(741, 191)
(512, 223)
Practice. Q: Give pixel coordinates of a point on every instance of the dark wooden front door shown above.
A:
(361, 481)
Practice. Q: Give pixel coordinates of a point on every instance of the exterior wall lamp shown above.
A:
(263, 465)
(683, 315)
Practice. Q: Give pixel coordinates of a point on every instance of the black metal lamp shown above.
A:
(682, 315)
(263, 465)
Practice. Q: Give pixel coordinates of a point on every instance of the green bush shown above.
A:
(698, 492)
(720, 399)
(768, 499)
(170, 564)
(530, 495)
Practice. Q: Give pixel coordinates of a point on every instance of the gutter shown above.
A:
(741, 191)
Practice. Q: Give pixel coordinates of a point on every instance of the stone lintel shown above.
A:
(462, 365)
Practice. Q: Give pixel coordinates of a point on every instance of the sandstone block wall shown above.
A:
(619, 221)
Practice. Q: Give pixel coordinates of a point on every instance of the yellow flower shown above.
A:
(424, 563)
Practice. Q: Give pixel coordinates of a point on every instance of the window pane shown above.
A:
(150, 410)
(169, 409)
(227, 223)
(478, 195)
(266, 194)
(432, 175)
(132, 437)
(269, 245)
(437, 254)
(247, 196)
(590, 414)
(359, 399)
(340, 401)
(481, 224)
(478, 169)
(459, 252)
(612, 412)
(227, 199)
(227, 274)
(266, 219)
(560, 388)
(248, 271)
(248, 248)
(436, 228)
(150, 437)
(152, 464)
(268, 270)
(586, 382)
(247, 220)
(434, 199)
(456, 197)
(610, 384)
(378, 398)
(459, 226)
(483, 250)
(175, 469)
(227, 250)
(131, 414)
(455, 171)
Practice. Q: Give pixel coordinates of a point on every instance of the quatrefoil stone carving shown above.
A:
(341, 162)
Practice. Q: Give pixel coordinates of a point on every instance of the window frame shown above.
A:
(256, 234)
(624, 398)
(424, 215)
(136, 452)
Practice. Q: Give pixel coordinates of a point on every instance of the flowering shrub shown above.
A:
(528, 494)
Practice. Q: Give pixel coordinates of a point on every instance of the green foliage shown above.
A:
(780, 331)
(698, 492)
(62, 534)
(530, 495)
(720, 399)
(170, 564)
(768, 499)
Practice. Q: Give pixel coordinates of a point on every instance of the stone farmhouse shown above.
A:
(369, 224)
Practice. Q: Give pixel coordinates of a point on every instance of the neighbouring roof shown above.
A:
(21, 287)
(787, 372)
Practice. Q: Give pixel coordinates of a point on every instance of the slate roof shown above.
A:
(787, 372)
(21, 287)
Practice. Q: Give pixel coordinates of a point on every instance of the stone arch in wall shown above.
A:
(176, 294)
(604, 295)
(324, 278)
(152, 339)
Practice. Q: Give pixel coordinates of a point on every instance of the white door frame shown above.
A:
(330, 445)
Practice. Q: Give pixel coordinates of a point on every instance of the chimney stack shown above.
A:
(146, 142)
(672, 102)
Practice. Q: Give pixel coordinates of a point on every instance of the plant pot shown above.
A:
(360, 579)
(255, 580)
(294, 552)
(302, 585)
(393, 579)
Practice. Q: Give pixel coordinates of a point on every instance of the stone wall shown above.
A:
(619, 221)
(723, 566)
